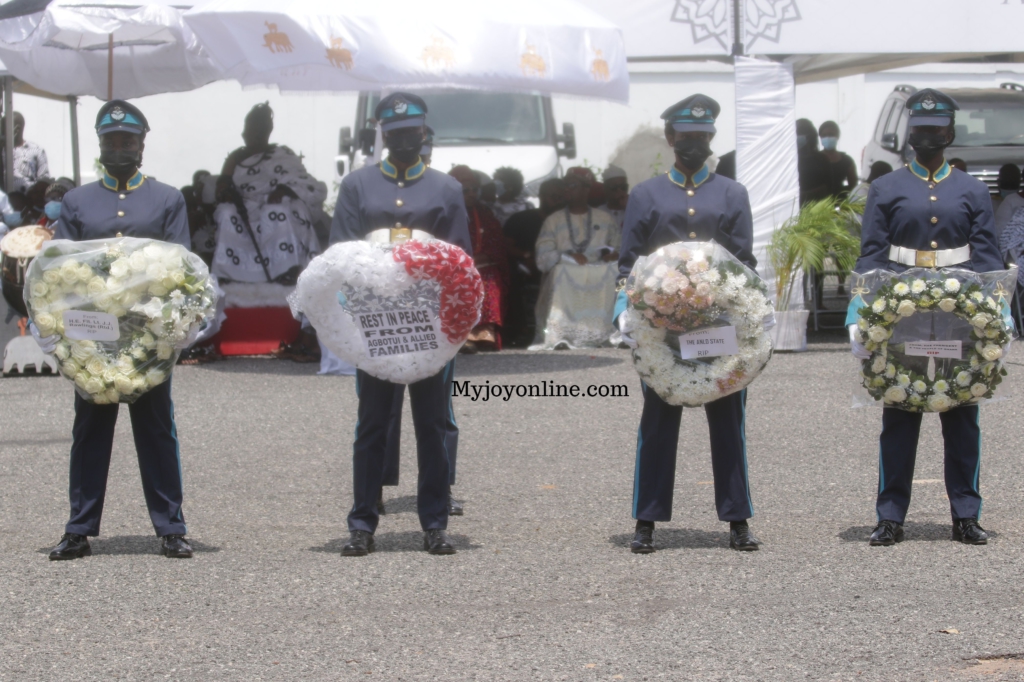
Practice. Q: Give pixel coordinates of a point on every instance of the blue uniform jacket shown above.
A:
(910, 209)
(141, 207)
(374, 197)
(663, 211)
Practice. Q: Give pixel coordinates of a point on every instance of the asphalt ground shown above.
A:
(543, 586)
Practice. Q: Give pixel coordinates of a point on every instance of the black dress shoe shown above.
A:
(741, 538)
(454, 506)
(643, 540)
(886, 533)
(360, 543)
(436, 542)
(175, 547)
(969, 532)
(380, 503)
(71, 546)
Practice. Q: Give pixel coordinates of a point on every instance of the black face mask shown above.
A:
(404, 146)
(120, 162)
(691, 152)
(928, 146)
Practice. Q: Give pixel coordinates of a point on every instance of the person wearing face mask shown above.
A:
(927, 214)
(1010, 195)
(843, 169)
(123, 202)
(51, 209)
(813, 168)
(688, 204)
(397, 195)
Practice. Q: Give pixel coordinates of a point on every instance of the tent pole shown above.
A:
(737, 28)
(76, 161)
(110, 67)
(8, 133)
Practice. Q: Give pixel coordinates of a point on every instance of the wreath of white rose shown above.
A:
(731, 292)
(972, 380)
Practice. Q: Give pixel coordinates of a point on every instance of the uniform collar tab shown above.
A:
(920, 171)
(699, 178)
(412, 173)
(111, 183)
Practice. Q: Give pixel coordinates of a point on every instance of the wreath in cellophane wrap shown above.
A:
(700, 319)
(399, 312)
(938, 338)
(120, 307)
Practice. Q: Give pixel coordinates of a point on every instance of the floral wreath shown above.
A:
(972, 380)
(688, 287)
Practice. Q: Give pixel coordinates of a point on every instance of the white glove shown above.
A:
(856, 347)
(47, 344)
(625, 329)
(193, 333)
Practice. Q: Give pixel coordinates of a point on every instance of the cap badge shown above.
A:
(928, 103)
(117, 114)
(401, 107)
(698, 112)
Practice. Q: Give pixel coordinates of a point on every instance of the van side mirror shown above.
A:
(367, 137)
(891, 142)
(345, 141)
(568, 141)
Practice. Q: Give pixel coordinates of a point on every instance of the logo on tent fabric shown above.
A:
(338, 56)
(766, 17)
(274, 40)
(710, 19)
(438, 54)
(599, 67)
(531, 63)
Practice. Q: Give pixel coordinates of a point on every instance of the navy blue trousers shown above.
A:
(156, 445)
(429, 416)
(656, 445)
(392, 455)
(961, 435)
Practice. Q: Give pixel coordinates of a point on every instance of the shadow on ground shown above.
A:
(679, 538)
(399, 541)
(133, 545)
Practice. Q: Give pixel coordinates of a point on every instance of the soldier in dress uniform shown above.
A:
(927, 214)
(124, 202)
(401, 193)
(689, 203)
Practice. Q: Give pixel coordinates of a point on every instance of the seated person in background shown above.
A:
(521, 232)
(616, 192)
(844, 170)
(508, 190)
(1010, 193)
(813, 169)
(958, 163)
(265, 220)
(200, 200)
(491, 261)
(596, 198)
(577, 250)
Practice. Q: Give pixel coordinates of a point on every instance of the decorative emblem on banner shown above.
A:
(599, 67)
(438, 54)
(766, 17)
(274, 40)
(531, 63)
(338, 56)
(708, 19)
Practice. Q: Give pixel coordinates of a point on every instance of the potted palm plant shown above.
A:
(823, 229)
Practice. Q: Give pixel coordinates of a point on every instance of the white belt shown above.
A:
(929, 259)
(397, 235)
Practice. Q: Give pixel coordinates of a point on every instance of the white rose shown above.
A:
(895, 394)
(156, 271)
(138, 383)
(139, 354)
(46, 323)
(981, 320)
(963, 379)
(51, 277)
(918, 286)
(95, 367)
(947, 305)
(878, 365)
(81, 378)
(69, 272)
(940, 402)
(109, 374)
(137, 262)
(62, 351)
(164, 350)
(80, 352)
(100, 399)
(992, 352)
(120, 268)
(906, 308)
(877, 334)
(157, 289)
(69, 368)
(39, 288)
(96, 286)
(978, 390)
(123, 384)
(94, 385)
(147, 341)
(85, 273)
(890, 371)
(951, 285)
(155, 377)
(113, 395)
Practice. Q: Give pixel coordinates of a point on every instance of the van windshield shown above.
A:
(469, 117)
(989, 127)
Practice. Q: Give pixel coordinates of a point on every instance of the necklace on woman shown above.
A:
(588, 233)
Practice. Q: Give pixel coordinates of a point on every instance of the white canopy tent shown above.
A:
(798, 41)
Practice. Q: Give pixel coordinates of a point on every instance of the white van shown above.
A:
(482, 130)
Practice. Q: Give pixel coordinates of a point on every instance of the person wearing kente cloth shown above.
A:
(688, 204)
(927, 214)
(124, 202)
(402, 194)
